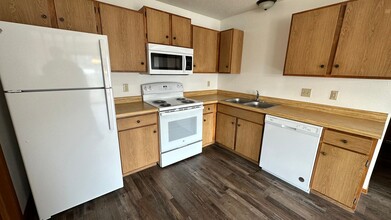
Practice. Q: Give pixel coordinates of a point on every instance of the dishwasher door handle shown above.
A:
(288, 127)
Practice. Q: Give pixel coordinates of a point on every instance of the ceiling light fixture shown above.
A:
(266, 4)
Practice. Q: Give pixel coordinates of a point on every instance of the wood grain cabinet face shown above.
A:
(248, 139)
(225, 130)
(311, 41)
(26, 12)
(126, 36)
(339, 174)
(158, 26)
(208, 129)
(181, 31)
(206, 50)
(364, 44)
(76, 15)
(231, 47)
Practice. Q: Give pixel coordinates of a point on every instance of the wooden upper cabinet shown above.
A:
(181, 31)
(311, 41)
(26, 12)
(231, 47)
(364, 45)
(76, 15)
(339, 174)
(126, 35)
(206, 50)
(158, 26)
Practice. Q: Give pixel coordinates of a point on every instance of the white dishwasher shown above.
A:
(289, 150)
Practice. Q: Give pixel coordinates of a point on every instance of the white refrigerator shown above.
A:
(58, 90)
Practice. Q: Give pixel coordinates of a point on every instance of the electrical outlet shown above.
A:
(333, 95)
(208, 83)
(305, 92)
(125, 87)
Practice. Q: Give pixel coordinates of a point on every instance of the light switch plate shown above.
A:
(333, 95)
(305, 92)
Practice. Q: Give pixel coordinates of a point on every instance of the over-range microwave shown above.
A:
(169, 60)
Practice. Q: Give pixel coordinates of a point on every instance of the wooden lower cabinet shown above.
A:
(242, 133)
(208, 129)
(248, 139)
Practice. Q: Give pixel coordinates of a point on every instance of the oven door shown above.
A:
(166, 63)
(178, 129)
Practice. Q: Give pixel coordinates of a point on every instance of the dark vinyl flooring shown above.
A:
(220, 185)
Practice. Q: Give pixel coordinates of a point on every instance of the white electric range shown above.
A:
(180, 121)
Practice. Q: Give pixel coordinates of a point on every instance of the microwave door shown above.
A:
(161, 63)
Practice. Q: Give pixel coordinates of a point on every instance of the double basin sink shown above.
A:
(250, 103)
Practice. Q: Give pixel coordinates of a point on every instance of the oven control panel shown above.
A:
(162, 87)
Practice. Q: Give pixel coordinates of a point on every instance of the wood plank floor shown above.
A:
(220, 185)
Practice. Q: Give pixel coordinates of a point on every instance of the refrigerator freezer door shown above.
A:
(38, 58)
(70, 154)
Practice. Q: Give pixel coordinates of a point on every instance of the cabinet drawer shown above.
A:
(209, 108)
(136, 121)
(240, 113)
(351, 142)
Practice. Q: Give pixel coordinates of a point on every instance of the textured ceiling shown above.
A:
(218, 9)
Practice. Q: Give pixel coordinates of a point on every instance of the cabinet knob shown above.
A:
(142, 63)
(226, 66)
(204, 119)
(61, 19)
(238, 125)
(154, 131)
(336, 65)
(232, 122)
(344, 141)
(166, 36)
(321, 66)
(194, 65)
(323, 153)
(208, 108)
(174, 38)
(138, 121)
(44, 16)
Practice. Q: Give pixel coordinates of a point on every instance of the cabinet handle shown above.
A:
(166, 36)
(344, 141)
(174, 38)
(154, 131)
(138, 121)
(142, 63)
(323, 153)
(61, 19)
(336, 65)
(322, 66)
(44, 16)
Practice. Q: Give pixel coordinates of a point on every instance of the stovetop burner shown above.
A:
(181, 99)
(159, 101)
(165, 105)
(187, 101)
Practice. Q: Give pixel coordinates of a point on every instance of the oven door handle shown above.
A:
(181, 112)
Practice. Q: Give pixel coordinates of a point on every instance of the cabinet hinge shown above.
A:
(367, 163)
(146, 35)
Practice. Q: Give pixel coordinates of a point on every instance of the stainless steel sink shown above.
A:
(238, 100)
(257, 104)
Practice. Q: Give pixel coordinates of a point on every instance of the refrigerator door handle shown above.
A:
(110, 108)
(105, 63)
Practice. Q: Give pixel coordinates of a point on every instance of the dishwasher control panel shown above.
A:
(294, 125)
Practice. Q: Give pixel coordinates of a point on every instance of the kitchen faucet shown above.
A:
(257, 99)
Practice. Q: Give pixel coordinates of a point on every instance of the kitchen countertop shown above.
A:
(364, 127)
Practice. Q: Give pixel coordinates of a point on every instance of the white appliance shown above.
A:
(180, 121)
(58, 90)
(289, 150)
(169, 60)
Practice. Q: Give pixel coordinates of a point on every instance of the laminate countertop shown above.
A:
(358, 126)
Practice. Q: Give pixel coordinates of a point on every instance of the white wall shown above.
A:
(192, 82)
(265, 43)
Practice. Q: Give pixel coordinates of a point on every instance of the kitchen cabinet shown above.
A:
(76, 15)
(139, 142)
(126, 35)
(341, 166)
(344, 40)
(209, 125)
(240, 130)
(231, 47)
(26, 12)
(166, 28)
(206, 50)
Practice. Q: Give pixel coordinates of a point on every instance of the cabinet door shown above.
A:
(311, 41)
(126, 35)
(25, 12)
(76, 15)
(206, 47)
(225, 130)
(364, 45)
(208, 129)
(158, 26)
(339, 173)
(181, 31)
(231, 47)
(139, 148)
(248, 139)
